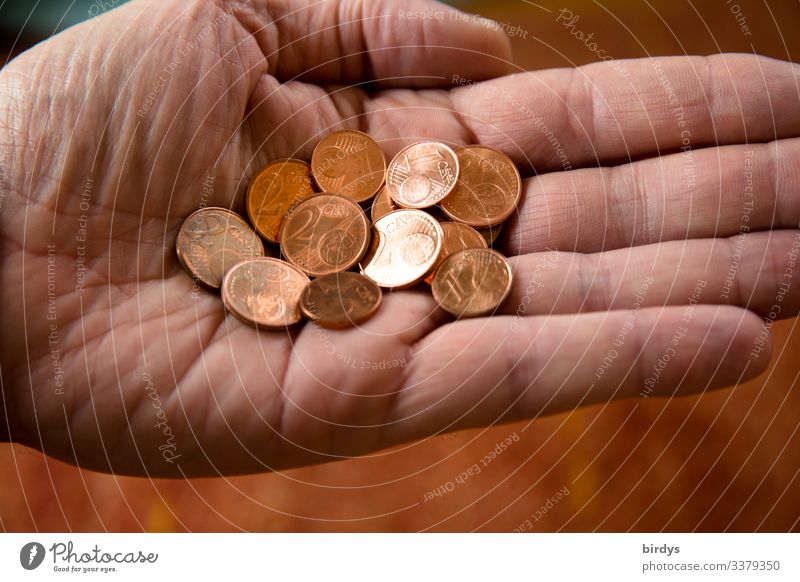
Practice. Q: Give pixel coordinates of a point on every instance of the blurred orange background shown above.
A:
(727, 460)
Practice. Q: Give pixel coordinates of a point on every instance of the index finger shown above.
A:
(560, 119)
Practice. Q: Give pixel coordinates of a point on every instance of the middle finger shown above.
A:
(713, 192)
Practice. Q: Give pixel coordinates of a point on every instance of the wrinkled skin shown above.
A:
(112, 132)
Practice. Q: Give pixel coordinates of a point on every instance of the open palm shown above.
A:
(116, 130)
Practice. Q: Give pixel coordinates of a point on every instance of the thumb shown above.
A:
(414, 43)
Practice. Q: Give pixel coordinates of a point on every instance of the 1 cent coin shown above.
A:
(325, 234)
(456, 237)
(405, 246)
(264, 292)
(422, 174)
(349, 163)
(472, 282)
(274, 191)
(211, 240)
(340, 300)
(488, 190)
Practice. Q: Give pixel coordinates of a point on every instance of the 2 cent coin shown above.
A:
(325, 234)
(274, 191)
(382, 205)
(456, 237)
(212, 240)
(349, 163)
(488, 190)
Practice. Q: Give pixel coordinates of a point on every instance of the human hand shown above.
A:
(115, 130)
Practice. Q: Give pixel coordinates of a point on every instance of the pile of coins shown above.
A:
(435, 214)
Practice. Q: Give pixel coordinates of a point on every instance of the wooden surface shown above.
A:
(727, 460)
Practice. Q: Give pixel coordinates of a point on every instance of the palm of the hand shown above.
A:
(112, 359)
(172, 376)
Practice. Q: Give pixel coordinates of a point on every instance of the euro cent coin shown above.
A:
(456, 237)
(490, 233)
(382, 205)
(340, 300)
(264, 292)
(422, 174)
(472, 282)
(349, 163)
(325, 234)
(212, 240)
(274, 191)
(488, 190)
(405, 247)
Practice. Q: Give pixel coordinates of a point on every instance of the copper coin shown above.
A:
(490, 233)
(437, 213)
(340, 300)
(264, 292)
(488, 190)
(382, 205)
(457, 237)
(325, 234)
(349, 163)
(212, 240)
(472, 282)
(274, 191)
(422, 174)
(405, 246)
